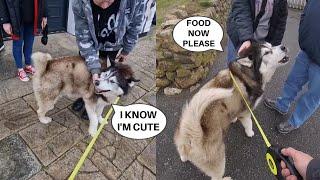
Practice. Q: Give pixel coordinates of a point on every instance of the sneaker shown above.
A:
(285, 127)
(23, 75)
(30, 69)
(272, 105)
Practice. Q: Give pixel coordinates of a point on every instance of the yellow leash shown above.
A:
(273, 154)
(92, 142)
(253, 116)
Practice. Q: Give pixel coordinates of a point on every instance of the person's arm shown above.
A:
(4, 15)
(84, 39)
(131, 37)
(313, 170)
(243, 19)
(281, 27)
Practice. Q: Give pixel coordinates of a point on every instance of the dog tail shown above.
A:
(193, 111)
(40, 61)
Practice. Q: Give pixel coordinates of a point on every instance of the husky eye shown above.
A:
(268, 52)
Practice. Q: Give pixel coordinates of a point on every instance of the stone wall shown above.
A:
(175, 65)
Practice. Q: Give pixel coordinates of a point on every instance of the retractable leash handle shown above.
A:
(274, 158)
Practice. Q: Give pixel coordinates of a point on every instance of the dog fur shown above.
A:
(199, 136)
(68, 76)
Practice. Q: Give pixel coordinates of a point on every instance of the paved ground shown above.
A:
(245, 156)
(29, 149)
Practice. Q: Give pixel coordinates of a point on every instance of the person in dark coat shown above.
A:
(255, 20)
(22, 21)
(306, 70)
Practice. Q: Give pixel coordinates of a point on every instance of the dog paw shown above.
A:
(92, 131)
(183, 158)
(250, 133)
(45, 120)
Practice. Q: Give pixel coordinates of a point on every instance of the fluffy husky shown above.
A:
(199, 136)
(69, 76)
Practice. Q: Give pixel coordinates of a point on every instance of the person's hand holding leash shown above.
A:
(7, 28)
(244, 48)
(300, 160)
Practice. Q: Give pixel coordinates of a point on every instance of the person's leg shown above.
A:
(17, 51)
(28, 38)
(297, 78)
(231, 52)
(309, 101)
(112, 57)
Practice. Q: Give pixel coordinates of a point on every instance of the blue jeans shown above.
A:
(304, 71)
(231, 52)
(26, 40)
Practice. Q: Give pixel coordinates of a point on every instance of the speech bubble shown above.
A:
(138, 121)
(198, 34)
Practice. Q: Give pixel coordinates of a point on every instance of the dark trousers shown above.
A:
(109, 54)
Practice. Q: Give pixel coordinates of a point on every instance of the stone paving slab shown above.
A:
(61, 103)
(11, 89)
(42, 175)
(135, 93)
(15, 115)
(16, 159)
(63, 167)
(57, 146)
(39, 134)
(148, 157)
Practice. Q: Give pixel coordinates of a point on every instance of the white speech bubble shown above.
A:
(138, 121)
(198, 34)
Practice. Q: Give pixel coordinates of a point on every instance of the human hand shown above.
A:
(300, 161)
(244, 48)
(7, 28)
(44, 22)
(122, 57)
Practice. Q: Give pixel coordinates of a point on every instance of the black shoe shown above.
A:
(78, 105)
(84, 115)
(272, 105)
(285, 127)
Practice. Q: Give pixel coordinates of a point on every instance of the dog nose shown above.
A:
(96, 83)
(283, 48)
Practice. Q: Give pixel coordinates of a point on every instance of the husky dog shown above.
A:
(199, 136)
(69, 76)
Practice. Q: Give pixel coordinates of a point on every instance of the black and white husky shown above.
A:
(69, 76)
(204, 122)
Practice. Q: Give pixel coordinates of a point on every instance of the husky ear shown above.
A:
(245, 62)
(125, 70)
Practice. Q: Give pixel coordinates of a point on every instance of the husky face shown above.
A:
(116, 80)
(265, 59)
